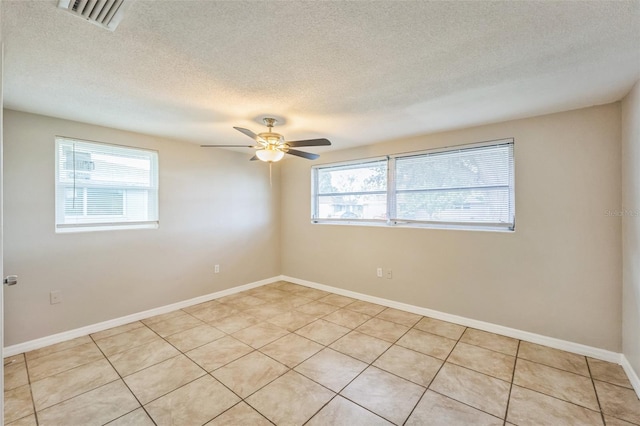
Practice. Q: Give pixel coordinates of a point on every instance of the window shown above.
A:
(101, 186)
(468, 187)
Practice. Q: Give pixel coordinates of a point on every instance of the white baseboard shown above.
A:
(564, 345)
(631, 374)
(94, 328)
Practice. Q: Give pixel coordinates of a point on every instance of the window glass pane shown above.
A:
(352, 206)
(365, 177)
(105, 185)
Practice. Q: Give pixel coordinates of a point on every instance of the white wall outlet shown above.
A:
(217, 269)
(55, 297)
(379, 272)
(389, 274)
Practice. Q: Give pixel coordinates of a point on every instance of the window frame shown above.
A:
(392, 192)
(104, 222)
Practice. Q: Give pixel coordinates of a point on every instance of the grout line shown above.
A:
(513, 375)
(33, 401)
(595, 391)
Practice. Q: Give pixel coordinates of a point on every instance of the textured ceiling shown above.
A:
(354, 72)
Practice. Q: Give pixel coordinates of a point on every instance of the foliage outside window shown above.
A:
(470, 187)
(101, 186)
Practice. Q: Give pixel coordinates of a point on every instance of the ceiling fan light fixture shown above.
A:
(269, 155)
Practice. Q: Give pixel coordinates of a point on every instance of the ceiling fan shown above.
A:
(271, 146)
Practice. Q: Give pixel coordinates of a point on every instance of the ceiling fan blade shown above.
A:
(254, 158)
(310, 142)
(247, 132)
(228, 146)
(307, 155)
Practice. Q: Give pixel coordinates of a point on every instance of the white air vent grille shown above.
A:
(105, 13)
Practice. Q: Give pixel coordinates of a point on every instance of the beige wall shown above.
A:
(558, 275)
(215, 208)
(631, 227)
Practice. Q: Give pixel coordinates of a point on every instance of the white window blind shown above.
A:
(101, 186)
(469, 187)
(351, 191)
(464, 186)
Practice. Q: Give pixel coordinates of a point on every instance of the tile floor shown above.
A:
(291, 355)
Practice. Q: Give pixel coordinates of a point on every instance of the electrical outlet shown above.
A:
(379, 272)
(216, 269)
(55, 297)
(389, 274)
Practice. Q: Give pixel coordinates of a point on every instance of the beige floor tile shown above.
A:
(292, 320)
(293, 300)
(192, 404)
(208, 304)
(385, 330)
(219, 352)
(347, 318)
(17, 403)
(270, 295)
(214, 312)
(427, 343)
(405, 318)
(240, 414)
(114, 401)
(230, 298)
(304, 398)
(15, 359)
(246, 302)
(162, 378)
(554, 358)
(37, 353)
(408, 364)
(366, 308)
(483, 360)
(175, 325)
(15, 375)
(492, 341)
(311, 293)
(527, 407)
(561, 384)
(125, 341)
(337, 300)
(317, 308)
(609, 372)
(323, 332)
(116, 330)
(612, 421)
(246, 375)
(290, 287)
(361, 346)
(331, 369)
(440, 328)
(438, 410)
(143, 356)
(62, 386)
(64, 360)
(385, 394)
(341, 411)
(194, 337)
(475, 389)
(137, 417)
(264, 312)
(291, 349)
(618, 402)
(29, 420)
(164, 317)
(259, 335)
(235, 322)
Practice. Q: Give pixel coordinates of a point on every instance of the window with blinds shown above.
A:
(469, 187)
(101, 186)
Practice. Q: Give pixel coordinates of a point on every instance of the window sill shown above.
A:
(419, 225)
(69, 229)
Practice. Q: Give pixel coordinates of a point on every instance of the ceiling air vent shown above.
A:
(105, 13)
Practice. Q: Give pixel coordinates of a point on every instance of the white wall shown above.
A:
(216, 207)
(631, 227)
(558, 275)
